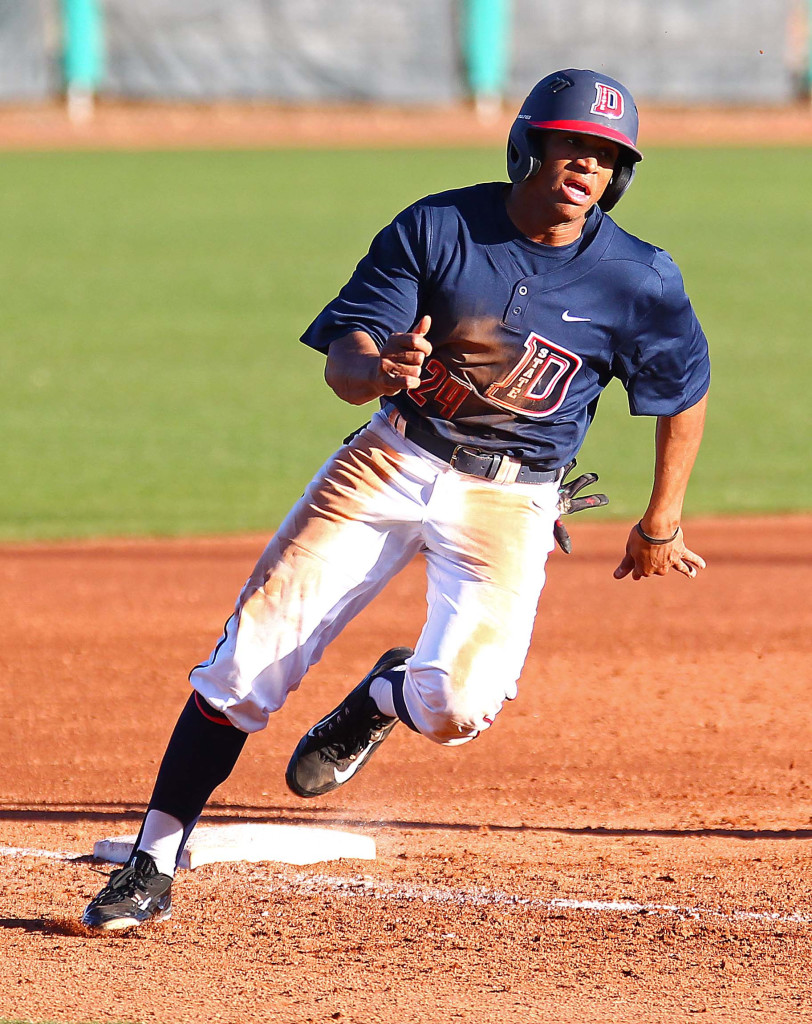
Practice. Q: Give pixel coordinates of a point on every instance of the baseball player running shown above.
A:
(486, 322)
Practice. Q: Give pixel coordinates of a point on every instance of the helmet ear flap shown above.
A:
(618, 184)
(523, 157)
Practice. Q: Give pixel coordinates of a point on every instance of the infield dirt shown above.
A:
(240, 125)
(658, 753)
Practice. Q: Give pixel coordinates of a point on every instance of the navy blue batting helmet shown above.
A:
(576, 101)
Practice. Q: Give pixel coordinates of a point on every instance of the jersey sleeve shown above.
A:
(384, 293)
(664, 364)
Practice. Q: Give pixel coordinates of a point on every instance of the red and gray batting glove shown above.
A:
(569, 503)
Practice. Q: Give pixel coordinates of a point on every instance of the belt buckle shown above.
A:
(461, 449)
(477, 453)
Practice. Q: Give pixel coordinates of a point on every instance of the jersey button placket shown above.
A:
(517, 307)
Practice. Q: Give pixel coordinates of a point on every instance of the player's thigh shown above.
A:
(316, 573)
(357, 524)
(484, 585)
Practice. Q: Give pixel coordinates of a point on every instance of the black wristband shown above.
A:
(655, 540)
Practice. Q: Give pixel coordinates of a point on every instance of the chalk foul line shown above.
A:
(381, 890)
(24, 851)
(367, 887)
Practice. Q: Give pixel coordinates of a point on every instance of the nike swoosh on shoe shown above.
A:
(347, 773)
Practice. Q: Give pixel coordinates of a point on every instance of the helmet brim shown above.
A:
(590, 128)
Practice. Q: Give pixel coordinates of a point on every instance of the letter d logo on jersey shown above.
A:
(608, 102)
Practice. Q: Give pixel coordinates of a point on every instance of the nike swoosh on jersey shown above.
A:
(575, 319)
(342, 776)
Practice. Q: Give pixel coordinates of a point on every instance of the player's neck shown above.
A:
(546, 224)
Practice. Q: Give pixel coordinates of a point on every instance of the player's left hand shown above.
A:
(643, 559)
(569, 503)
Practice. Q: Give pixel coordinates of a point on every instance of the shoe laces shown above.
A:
(348, 746)
(127, 882)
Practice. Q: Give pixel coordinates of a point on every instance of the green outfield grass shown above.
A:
(151, 381)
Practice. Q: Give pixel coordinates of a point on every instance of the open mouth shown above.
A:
(576, 191)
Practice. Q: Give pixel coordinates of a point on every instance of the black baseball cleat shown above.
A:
(338, 746)
(135, 894)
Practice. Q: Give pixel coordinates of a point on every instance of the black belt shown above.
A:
(475, 461)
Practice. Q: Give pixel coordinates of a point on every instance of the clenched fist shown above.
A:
(402, 358)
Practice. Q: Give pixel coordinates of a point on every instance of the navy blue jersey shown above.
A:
(524, 336)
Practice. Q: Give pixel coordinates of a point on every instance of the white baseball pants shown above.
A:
(370, 509)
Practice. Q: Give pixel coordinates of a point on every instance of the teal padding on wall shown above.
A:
(487, 32)
(83, 35)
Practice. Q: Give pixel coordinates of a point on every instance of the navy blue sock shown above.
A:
(396, 677)
(201, 754)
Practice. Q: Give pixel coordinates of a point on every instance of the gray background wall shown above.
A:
(26, 48)
(408, 51)
(397, 50)
(665, 50)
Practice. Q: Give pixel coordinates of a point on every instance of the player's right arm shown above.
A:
(359, 372)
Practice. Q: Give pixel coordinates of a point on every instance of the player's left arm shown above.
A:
(677, 443)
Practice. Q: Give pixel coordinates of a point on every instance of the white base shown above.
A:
(288, 844)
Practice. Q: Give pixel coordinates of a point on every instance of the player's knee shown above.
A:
(449, 732)
(447, 714)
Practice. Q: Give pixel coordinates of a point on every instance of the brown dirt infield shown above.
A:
(658, 753)
(178, 125)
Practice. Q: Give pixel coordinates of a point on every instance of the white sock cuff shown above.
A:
(380, 690)
(161, 839)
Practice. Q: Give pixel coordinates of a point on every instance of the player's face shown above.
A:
(575, 173)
